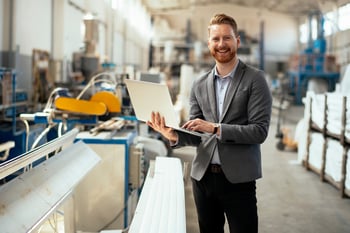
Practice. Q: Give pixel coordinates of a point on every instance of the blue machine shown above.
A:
(13, 103)
(9, 131)
(312, 62)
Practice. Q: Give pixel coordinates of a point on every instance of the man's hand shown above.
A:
(157, 123)
(200, 126)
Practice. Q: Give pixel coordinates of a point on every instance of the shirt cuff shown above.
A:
(219, 136)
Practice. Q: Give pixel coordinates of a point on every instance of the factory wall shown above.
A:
(32, 26)
(73, 37)
(57, 27)
(339, 45)
(2, 18)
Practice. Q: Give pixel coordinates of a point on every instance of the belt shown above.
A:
(214, 168)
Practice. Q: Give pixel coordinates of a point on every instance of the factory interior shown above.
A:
(75, 158)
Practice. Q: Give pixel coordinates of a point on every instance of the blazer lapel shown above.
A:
(232, 89)
(211, 95)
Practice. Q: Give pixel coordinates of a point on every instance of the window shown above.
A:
(331, 24)
(303, 33)
(344, 17)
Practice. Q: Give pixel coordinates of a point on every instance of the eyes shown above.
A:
(224, 38)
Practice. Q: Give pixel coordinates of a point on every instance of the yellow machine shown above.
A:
(100, 103)
(109, 99)
(73, 105)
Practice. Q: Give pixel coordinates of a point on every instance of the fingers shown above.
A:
(190, 125)
(162, 121)
(198, 125)
(157, 122)
(158, 119)
(193, 123)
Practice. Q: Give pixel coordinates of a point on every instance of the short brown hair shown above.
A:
(223, 19)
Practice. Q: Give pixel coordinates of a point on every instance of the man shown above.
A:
(231, 103)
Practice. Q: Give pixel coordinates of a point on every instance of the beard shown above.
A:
(223, 55)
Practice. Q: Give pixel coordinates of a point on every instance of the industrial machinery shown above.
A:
(99, 105)
(313, 62)
(13, 102)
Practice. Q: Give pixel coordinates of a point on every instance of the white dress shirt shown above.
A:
(221, 85)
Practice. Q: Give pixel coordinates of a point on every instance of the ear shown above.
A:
(238, 39)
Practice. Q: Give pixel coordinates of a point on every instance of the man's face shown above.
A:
(222, 43)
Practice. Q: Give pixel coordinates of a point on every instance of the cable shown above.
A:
(27, 133)
(93, 81)
(47, 129)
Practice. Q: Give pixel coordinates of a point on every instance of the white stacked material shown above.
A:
(307, 103)
(347, 115)
(334, 112)
(300, 137)
(317, 109)
(317, 85)
(161, 207)
(335, 104)
(345, 81)
(334, 157)
(315, 150)
(302, 134)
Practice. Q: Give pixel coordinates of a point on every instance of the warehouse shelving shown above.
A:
(180, 53)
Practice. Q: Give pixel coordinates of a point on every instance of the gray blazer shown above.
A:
(244, 124)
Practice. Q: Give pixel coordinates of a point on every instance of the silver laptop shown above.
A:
(147, 97)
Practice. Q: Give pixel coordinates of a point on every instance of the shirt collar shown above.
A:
(231, 73)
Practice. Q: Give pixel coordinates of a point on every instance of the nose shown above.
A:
(221, 42)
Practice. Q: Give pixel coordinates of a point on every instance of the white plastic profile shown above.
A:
(161, 207)
(30, 198)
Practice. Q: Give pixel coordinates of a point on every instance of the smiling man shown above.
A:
(232, 104)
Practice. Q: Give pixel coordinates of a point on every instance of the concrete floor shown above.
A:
(290, 199)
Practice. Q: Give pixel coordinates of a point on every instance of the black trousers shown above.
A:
(216, 197)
